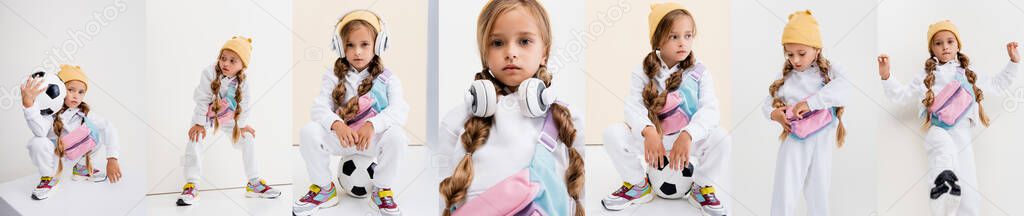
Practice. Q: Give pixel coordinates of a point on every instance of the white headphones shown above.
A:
(380, 43)
(534, 100)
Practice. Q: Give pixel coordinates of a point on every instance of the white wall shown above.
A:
(183, 38)
(985, 28)
(108, 47)
(848, 36)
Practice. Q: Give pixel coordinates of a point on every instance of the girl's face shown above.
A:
(359, 45)
(229, 62)
(76, 91)
(677, 45)
(944, 46)
(515, 50)
(800, 56)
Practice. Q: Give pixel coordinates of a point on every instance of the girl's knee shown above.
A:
(39, 144)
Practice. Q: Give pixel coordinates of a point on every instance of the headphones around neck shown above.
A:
(534, 98)
(380, 43)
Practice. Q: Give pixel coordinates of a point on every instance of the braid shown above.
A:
(352, 107)
(235, 132)
(973, 78)
(477, 129)
(773, 91)
(574, 173)
(215, 89)
(825, 66)
(58, 129)
(929, 95)
(338, 95)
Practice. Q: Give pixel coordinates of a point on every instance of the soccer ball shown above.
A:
(355, 174)
(51, 99)
(671, 184)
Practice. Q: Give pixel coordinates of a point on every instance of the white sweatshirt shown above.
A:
(704, 120)
(42, 126)
(808, 84)
(914, 91)
(323, 106)
(204, 96)
(509, 149)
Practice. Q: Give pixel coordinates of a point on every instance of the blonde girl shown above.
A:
(223, 103)
(670, 79)
(511, 131)
(950, 93)
(807, 101)
(48, 148)
(360, 111)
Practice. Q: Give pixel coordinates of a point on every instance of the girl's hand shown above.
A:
(346, 136)
(883, 66)
(30, 90)
(680, 154)
(196, 132)
(779, 115)
(653, 148)
(800, 109)
(250, 130)
(365, 135)
(1011, 49)
(113, 170)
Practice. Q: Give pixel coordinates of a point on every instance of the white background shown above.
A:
(185, 37)
(985, 28)
(848, 38)
(459, 56)
(109, 48)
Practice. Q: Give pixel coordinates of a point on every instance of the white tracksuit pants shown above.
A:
(40, 151)
(952, 150)
(318, 144)
(711, 156)
(804, 165)
(192, 161)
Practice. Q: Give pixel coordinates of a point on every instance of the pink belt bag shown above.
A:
(951, 103)
(672, 117)
(365, 112)
(811, 123)
(225, 115)
(79, 142)
(512, 196)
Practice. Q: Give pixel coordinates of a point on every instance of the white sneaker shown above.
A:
(47, 186)
(188, 195)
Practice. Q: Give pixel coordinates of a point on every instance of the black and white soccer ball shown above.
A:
(669, 183)
(52, 98)
(355, 175)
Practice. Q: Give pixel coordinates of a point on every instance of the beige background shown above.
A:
(406, 57)
(618, 43)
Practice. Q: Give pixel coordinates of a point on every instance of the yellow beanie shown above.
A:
(69, 73)
(363, 15)
(944, 25)
(658, 12)
(802, 29)
(241, 46)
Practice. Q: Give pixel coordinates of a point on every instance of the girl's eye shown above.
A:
(673, 37)
(688, 36)
(497, 43)
(524, 42)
